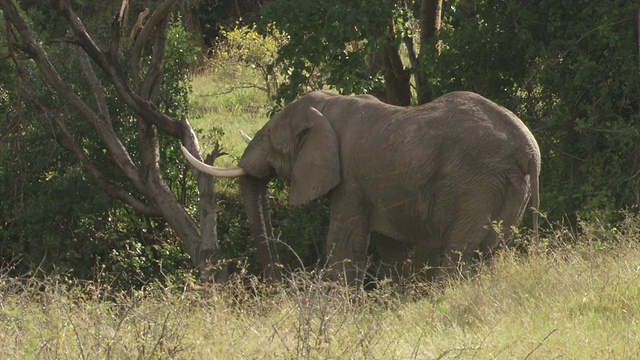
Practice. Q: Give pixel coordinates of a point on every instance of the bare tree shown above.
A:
(137, 83)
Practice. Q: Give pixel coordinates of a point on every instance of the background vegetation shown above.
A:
(570, 70)
(83, 275)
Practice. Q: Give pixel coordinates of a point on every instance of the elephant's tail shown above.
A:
(534, 173)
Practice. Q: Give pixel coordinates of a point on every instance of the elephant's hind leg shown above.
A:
(481, 232)
(462, 243)
(507, 215)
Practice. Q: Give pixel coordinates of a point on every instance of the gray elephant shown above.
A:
(430, 180)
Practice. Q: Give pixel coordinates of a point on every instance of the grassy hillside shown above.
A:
(223, 103)
(579, 300)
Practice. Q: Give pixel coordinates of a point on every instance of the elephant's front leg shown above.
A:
(395, 256)
(347, 241)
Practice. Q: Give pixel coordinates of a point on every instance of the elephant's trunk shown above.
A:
(254, 193)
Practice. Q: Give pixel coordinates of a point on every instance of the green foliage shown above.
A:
(133, 264)
(328, 43)
(182, 53)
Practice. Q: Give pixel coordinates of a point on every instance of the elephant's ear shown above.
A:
(316, 168)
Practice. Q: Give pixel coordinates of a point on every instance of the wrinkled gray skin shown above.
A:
(429, 179)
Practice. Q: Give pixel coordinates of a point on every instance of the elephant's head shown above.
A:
(297, 144)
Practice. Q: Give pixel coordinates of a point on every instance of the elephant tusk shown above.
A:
(246, 137)
(212, 170)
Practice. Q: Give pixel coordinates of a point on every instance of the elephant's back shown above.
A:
(458, 124)
(470, 114)
(458, 137)
(469, 123)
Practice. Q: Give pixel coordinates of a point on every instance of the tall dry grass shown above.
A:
(576, 298)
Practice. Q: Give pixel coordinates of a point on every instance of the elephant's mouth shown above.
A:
(212, 170)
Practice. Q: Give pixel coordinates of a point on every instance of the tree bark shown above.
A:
(397, 77)
(430, 22)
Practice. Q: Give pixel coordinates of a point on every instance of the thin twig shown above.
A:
(231, 89)
(540, 343)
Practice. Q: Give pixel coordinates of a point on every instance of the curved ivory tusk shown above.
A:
(246, 137)
(212, 170)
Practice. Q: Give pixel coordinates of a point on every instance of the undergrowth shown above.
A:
(576, 299)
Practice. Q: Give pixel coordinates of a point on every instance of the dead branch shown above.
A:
(140, 105)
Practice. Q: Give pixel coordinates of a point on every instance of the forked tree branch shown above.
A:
(155, 197)
(159, 18)
(116, 28)
(159, 15)
(151, 84)
(141, 106)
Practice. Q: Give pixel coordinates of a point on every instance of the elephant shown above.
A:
(429, 180)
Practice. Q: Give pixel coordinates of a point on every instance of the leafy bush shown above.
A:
(182, 54)
(244, 46)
